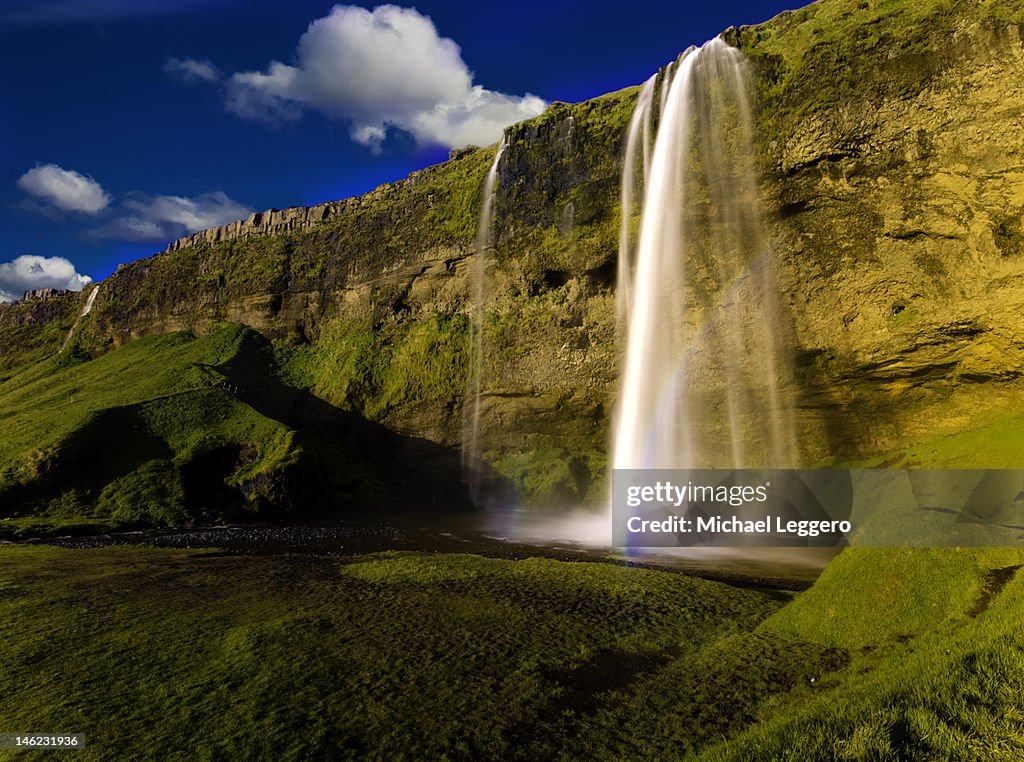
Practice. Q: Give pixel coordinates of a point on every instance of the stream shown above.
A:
(511, 534)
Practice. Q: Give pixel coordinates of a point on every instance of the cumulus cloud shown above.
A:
(138, 216)
(162, 218)
(377, 69)
(29, 272)
(192, 70)
(65, 189)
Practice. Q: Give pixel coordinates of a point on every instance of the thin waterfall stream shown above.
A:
(85, 311)
(471, 442)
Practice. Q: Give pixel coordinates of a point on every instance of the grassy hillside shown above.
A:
(172, 429)
(31, 331)
(938, 661)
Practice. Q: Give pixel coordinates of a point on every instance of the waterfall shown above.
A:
(471, 445)
(88, 302)
(707, 381)
(639, 130)
(666, 81)
(85, 311)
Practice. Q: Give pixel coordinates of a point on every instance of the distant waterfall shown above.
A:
(85, 311)
(471, 445)
(708, 369)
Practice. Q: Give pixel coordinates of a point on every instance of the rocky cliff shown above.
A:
(890, 140)
(893, 147)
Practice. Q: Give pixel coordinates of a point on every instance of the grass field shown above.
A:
(158, 654)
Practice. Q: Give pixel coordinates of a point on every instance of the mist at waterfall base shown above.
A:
(707, 367)
(587, 529)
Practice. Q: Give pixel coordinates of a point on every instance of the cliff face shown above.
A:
(893, 144)
(297, 219)
(891, 139)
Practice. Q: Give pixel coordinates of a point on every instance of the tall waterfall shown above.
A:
(707, 378)
(471, 445)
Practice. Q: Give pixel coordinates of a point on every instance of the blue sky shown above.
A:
(125, 124)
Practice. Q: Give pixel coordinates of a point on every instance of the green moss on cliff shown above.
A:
(896, 45)
(555, 477)
(384, 370)
(428, 365)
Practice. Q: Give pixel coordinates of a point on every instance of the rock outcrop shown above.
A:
(896, 177)
(296, 219)
(42, 294)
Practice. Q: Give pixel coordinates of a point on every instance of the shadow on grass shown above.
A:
(112, 444)
(354, 462)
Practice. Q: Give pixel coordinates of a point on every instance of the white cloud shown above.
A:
(164, 218)
(192, 70)
(65, 189)
(139, 216)
(29, 272)
(192, 214)
(381, 68)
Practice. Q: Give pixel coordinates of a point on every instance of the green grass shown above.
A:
(155, 654)
(893, 654)
(992, 442)
(938, 667)
(918, 589)
(173, 429)
(116, 437)
(46, 401)
(52, 526)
